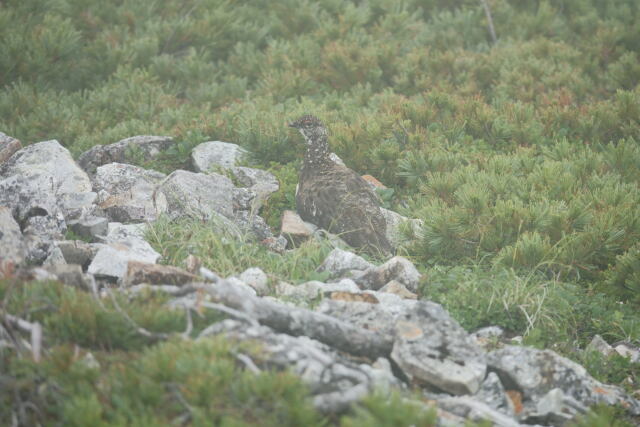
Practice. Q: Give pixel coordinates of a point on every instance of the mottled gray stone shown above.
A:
(145, 147)
(12, 246)
(48, 167)
(197, 195)
(339, 261)
(399, 226)
(432, 348)
(397, 268)
(537, 372)
(127, 192)
(207, 156)
(257, 279)
(123, 243)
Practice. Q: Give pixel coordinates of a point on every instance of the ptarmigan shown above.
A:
(336, 198)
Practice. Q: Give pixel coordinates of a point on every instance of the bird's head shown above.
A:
(311, 129)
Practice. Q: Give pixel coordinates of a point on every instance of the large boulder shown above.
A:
(124, 151)
(210, 155)
(550, 383)
(433, 349)
(48, 167)
(36, 212)
(198, 195)
(127, 193)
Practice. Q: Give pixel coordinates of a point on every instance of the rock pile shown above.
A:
(363, 329)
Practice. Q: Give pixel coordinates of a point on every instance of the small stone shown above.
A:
(241, 285)
(124, 243)
(275, 244)
(628, 350)
(600, 345)
(397, 268)
(397, 288)
(257, 279)
(209, 155)
(154, 274)
(55, 257)
(340, 261)
(90, 227)
(192, 264)
(8, 146)
(336, 159)
(294, 229)
(76, 251)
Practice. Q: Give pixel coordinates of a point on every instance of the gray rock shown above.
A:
(432, 348)
(8, 146)
(399, 226)
(257, 279)
(493, 394)
(336, 159)
(312, 289)
(488, 336)
(397, 268)
(154, 274)
(124, 151)
(474, 410)
(127, 192)
(124, 243)
(397, 288)
(555, 408)
(37, 213)
(12, 247)
(600, 345)
(49, 167)
(536, 372)
(334, 381)
(239, 284)
(77, 251)
(380, 316)
(55, 257)
(209, 155)
(339, 261)
(244, 199)
(294, 229)
(626, 349)
(70, 274)
(262, 183)
(253, 224)
(197, 195)
(90, 227)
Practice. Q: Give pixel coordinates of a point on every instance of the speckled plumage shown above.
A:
(336, 198)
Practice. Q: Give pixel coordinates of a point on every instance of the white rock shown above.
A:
(127, 192)
(257, 279)
(197, 195)
(397, 268)
(124, 243)
(340, 261)
(209, 155)
(49, 166)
